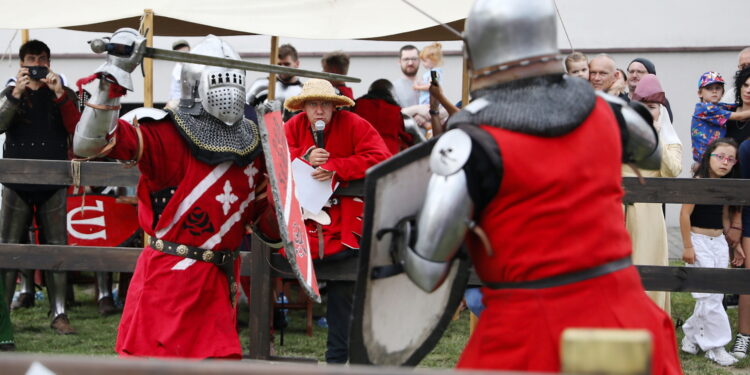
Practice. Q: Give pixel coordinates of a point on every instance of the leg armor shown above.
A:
(51, 216)
(15, 218)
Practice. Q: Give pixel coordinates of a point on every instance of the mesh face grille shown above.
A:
(226, 102)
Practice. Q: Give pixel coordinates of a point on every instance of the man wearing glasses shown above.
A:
(409, 60)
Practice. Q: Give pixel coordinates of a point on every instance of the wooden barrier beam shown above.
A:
(687, 190)
(58, 172)
(123, 259)
(17, 363)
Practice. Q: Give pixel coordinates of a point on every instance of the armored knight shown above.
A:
(529, 178)
(37, 114)
(202, 181)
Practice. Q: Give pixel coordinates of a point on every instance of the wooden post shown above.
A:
(606, 351)
(24, 35)
(465, 84)
(147, 30)
(260, 300)
(274, 61)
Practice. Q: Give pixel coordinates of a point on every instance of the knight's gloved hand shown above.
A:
(270, 106)
(124, 53)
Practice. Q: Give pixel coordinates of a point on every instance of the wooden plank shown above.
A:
(123, 259)
(687, 190)
(18, 363)
(260, 300)
(694, 279)
(58, 172)
(606, 351)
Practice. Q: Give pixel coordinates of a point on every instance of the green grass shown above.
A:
(96, 335)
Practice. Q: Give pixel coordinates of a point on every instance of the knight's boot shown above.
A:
(57, 290)
(104, 298)
(27, 294)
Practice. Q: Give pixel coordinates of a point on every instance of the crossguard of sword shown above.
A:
(101, 46)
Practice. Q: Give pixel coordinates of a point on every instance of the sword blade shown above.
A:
(190, 58)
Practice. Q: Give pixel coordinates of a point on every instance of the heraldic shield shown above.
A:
(395, 323)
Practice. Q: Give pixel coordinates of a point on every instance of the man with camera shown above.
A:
(37, 115)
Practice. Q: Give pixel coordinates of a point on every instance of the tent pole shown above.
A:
(465, 84)
(147, 29)
(24, 36)
(274, 61)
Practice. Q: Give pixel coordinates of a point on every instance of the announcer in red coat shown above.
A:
(348, 147)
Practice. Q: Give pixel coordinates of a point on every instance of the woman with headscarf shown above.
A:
(645, 221)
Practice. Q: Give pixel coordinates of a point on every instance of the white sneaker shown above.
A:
(689, 346)
(721, 356)
(741, 343)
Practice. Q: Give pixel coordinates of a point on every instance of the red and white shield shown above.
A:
(288, 211)
(98, 220)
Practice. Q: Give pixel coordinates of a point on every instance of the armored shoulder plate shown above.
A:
(450, 153)
(640, 141)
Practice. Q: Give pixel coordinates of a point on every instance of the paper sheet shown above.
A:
(311, 193)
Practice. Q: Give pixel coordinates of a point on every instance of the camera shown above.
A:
(37, 72)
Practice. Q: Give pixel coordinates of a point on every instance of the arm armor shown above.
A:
(96, 124)
(7, 110)
(445, 217)
(640, 142)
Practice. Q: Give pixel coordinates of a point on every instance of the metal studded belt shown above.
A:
(567, 278)
(216, 257)
(222, 259)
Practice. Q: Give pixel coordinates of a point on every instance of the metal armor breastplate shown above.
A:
(213, 142)
(547, 106)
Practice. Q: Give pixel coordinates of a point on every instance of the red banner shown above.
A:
(98, 220)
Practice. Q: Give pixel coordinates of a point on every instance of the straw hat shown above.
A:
(317, 89)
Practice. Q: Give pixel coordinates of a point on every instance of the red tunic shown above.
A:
(559, 210)
(387, 120)
(177, 307)
(354, 146)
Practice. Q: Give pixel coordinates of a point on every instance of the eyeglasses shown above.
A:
(407, 59)
(725, 159)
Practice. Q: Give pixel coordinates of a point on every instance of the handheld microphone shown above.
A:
(319, 127)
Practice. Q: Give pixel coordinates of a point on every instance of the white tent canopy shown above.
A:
(591, 24)
(310, 19)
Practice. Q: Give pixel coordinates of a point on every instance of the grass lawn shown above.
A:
(96, 335)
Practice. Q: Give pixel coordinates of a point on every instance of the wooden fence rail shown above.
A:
(261, 265)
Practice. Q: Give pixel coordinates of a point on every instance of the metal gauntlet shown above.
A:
(98, 120)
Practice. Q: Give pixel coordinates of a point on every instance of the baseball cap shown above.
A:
(708, 78)
(180, 43)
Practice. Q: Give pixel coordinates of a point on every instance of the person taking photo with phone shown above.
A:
(37, 114)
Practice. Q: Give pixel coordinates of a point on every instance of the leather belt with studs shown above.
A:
(216, 257)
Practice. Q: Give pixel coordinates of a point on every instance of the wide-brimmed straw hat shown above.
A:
(317, 89)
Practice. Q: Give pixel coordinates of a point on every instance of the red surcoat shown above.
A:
(177, 307)
(387, 120)
(354, 146)
(559, 210)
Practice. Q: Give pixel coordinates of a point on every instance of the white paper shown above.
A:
(311, 193)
